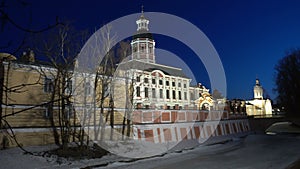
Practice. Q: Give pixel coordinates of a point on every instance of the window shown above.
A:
(161, 93)
(153, 93)
(184, 85)
(192, 96)
(69, 111)
(179, 84)
(173, 84)
(87, 88)
(48, 85)
(179, 95)
(167, 83)
(142, 48)
(167, 94)
(145, 80)
(146, 92)
(160, 82)
(138, 78)
(138, 91)
(174, 94)
(69, 86)
(47, 113)
(153, 81)
(185, 96)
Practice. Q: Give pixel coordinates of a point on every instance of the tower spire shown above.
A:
(142, 11)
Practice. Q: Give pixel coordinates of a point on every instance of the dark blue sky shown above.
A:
(250, 36)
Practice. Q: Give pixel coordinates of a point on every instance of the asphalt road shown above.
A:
(255, 151)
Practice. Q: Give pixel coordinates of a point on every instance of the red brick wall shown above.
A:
(167, 134)
(197, 132)
(147, 116)
(183, 133)
(149, 135)
(165, 116)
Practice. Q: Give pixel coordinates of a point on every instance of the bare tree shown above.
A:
(61, 48)
(7, 20)
(288, 82)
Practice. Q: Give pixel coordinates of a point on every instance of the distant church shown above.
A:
(259, 105)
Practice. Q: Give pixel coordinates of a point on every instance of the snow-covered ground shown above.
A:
(255, 151)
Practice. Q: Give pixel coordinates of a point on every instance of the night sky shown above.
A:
(249, 36)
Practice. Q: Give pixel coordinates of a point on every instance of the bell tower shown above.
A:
(258, 90)
(142, 44)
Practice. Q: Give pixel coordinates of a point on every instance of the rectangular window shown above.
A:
(192, 96)
(167, 83)
(174, 94)
(179, 95)
(179, 84)
(161, 93)
(48, 85)
(185, 96)
(160, 82)
(173, 84)
(153, 93)
(167, 94)
(153, 81)
(146, 92)
(69, 111)
(138, 91)
(47, 113)
(87, 88)
(146, 80)
(69, 87)
(184, 85)
(138, 78)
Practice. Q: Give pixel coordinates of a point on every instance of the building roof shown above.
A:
(140, 65)
(7, 56)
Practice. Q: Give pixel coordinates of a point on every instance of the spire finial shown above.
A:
(142, 9)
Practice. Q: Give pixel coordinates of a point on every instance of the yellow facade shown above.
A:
(26, 101)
